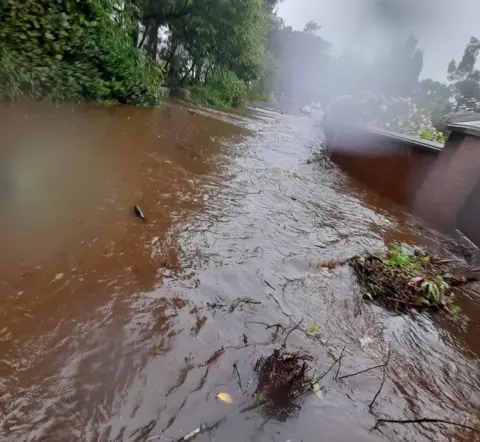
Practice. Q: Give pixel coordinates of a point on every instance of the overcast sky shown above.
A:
(443, 27)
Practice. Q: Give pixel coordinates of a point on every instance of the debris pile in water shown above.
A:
(399, 280)
(283, 379)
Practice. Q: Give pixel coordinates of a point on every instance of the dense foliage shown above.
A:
(399, 280)
(215, 47)
(465, 78)
(223, 89)
(127, 50)
(224, 51)
(71, 50)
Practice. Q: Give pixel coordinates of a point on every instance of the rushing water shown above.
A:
(107, 330)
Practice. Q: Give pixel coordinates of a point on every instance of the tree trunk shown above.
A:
(152, 41)
(187, 74)
(168, 66)
(144, 36)
(198, 73)
(136, 34)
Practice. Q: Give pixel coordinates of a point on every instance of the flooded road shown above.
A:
(108, 325)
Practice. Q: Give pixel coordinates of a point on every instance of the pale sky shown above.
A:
(443, 27)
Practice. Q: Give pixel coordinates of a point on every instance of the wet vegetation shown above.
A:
(126, 51)
(283, 379)
(398, 280)
(223, 52)
(73, 51)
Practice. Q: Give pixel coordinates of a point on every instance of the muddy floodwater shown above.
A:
(115, 329)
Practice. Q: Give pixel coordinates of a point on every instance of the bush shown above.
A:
(397, 114)
(72, 50)
(223, 90)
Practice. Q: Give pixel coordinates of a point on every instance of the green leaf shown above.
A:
(316, 389)
(367, 295)
(158, 351)
(312, 328)
(454, 309)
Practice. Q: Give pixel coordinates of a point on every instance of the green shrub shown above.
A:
(72, 50)
(223, 90)
(432, 134)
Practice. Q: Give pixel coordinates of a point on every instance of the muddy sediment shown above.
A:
(118, 329)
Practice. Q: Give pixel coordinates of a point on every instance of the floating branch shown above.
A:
(383, 381)
(360, 372)
(336, 361)
(423, 420)
(239, 301)
(290, 331)
(268, 326)
(235, 371)
(339, 363)
(333, 264)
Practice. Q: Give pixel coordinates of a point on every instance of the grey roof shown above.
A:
(465, 123)
(413, 139)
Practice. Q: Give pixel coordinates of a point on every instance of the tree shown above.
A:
(126, 44)
(72, 50)
(302, 59)
(311, 27)
(465, 78)
(396, 71)
(197, 39)
(435, 99)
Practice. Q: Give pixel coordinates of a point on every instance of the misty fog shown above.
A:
(442, 27)
(402, 65)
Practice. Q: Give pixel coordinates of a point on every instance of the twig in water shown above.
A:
(445, 261)
(383, 381)
(270, 285)
(215, 305)
(214, 357)
(238, 301)
(235, 371)
(360, 372)
(423, 420)
(267, 326)
(202, 429)
(291, 330)
(333, 264)
(328, 371)
(401, 301)
(339, 363)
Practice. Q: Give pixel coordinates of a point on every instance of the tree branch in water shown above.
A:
(423, 420)
(333, 264)
(291, 330)
(360, 372)
(340, 362)
(383, 381)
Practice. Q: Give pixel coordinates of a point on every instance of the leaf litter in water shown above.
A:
(225, 397)
(317, 390)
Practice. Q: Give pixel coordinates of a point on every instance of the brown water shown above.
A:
(105, 331)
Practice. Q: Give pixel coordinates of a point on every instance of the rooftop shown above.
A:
(466, 123)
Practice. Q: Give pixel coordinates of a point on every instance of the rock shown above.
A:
(180, 93)
(166, 91)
